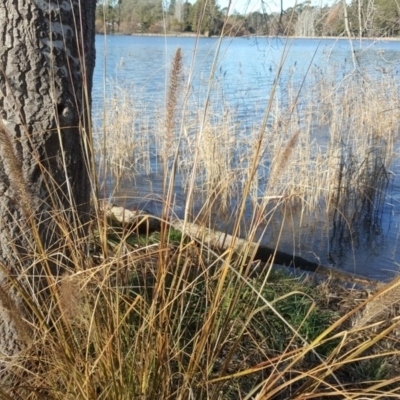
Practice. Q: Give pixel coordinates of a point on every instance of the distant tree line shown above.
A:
(361, 18)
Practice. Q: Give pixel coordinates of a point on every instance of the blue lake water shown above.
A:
(245, 73)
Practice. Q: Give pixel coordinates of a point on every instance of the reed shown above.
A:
(330, 162)
(171, 107)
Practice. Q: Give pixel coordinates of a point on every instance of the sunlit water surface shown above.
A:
(245, 73)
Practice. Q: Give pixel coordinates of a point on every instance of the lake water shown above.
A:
(245, 74)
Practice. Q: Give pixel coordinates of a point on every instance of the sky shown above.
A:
(246, 6)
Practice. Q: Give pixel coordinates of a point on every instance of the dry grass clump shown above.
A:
(343, 163)
(171, 321)
(124, 143)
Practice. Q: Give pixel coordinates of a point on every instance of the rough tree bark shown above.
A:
(47, 59)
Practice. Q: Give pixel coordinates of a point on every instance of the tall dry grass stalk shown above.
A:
(14, 169)
(171, 106)
(282, 158)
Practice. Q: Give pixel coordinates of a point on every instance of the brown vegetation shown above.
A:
(167, 315)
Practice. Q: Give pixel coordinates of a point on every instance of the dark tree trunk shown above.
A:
(47, 59)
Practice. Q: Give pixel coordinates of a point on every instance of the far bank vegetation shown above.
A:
(373, 18)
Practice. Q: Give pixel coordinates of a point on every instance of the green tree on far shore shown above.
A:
(206, 17)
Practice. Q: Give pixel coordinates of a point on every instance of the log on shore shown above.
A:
(142, 220)
(147, 222)
(265, 254)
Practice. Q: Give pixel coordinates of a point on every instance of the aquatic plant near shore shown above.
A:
(331, 157)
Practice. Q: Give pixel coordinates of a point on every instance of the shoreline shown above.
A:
(194, 35)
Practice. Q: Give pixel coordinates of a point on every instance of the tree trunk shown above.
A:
(47, 59)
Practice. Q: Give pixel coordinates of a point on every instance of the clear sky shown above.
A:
(246, 6)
